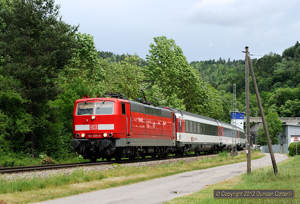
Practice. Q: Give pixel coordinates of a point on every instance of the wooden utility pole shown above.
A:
(248, 114)
(262, 113)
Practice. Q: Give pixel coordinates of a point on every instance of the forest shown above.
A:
(277, 77)
(46, 64)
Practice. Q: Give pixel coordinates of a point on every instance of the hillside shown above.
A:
(277, 76)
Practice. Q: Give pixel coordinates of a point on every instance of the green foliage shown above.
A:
(180, 84)
(47, 160)
(223, 154)
(221, 75)
(124, 77)
(45, 66)
(15, 122)
(34, 45)
(274, 125)
(116, 165)
(115, 58)
(284, 101)
(278, 79)
(291, 108)
(82, 76)
(292, 148)
(17, 159)
(292, 52)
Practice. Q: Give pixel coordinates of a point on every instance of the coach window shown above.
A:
(216, 130)
(195, 127)
(191, 126)
(201, 129)
(123, 108)
(198, 128)
(206, 130)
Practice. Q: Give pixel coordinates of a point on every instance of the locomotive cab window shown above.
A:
(106, 108)
(123, 108)
(85, 109)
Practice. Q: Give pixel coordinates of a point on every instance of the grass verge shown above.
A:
(16, 160)
(288, 178)
(59, 185)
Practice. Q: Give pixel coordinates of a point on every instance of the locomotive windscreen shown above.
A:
(85, 109)
(106, 108)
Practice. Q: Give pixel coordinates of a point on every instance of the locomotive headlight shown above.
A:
(105, 135)
(82, 135)
(93, 117)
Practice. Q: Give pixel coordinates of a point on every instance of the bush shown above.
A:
(17, 159)
(8, 163)
(47, 160)
(292, 149)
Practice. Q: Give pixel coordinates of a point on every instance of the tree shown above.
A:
(124, 77)
(35, 44)
(15, 122)
(274, 125)
(291, 108)
(83, 75)
(179, 83)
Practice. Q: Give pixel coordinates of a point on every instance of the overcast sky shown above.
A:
(204, 29)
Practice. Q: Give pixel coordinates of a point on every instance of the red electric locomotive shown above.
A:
(117, 127)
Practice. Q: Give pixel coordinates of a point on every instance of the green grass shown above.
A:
(60, 185)
(288, 178)
(15, 160)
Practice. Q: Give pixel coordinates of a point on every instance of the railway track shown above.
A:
(46, 167)
(9, 170)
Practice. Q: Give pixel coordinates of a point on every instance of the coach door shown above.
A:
(127, 117)
(220, 132)
(128, 120)
(173, 125)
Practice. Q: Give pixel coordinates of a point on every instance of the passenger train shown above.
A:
(117, 128)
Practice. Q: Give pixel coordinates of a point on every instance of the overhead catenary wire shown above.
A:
(256, 55)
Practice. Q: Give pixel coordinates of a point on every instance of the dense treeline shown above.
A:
(278, 81)
(111, 57)
(45, 65)
(277, 76)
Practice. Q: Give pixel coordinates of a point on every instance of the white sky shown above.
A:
(204, 29)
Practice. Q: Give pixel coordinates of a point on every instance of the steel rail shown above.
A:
(47, 167)
(8, 170)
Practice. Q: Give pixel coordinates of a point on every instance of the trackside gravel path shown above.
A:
(164, 189)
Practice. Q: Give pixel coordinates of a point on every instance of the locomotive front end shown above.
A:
(95, 127)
